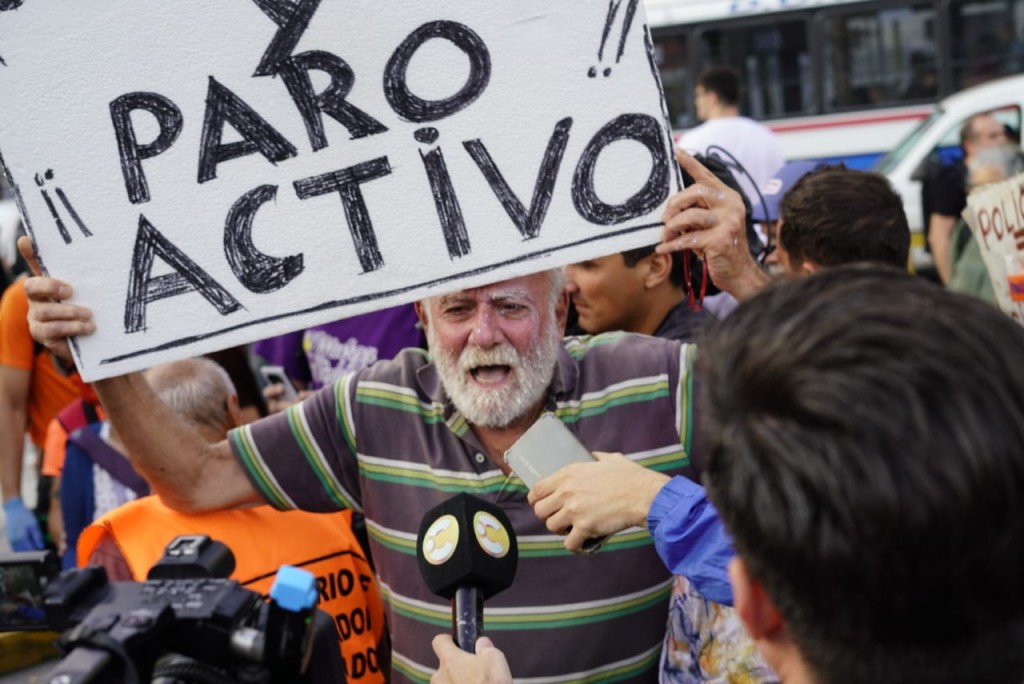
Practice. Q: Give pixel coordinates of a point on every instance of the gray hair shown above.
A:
(556, 281)
(196, 389)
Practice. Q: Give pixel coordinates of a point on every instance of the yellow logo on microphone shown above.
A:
(491, 534)
(441, 539)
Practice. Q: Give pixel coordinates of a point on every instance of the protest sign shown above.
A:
(210, 173)
(995, 214)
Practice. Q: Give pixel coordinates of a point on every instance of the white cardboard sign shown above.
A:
(995, 215)
(210, 173)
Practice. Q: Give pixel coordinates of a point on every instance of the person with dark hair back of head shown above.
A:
(883, 543)
(835, 216)
(879, 544)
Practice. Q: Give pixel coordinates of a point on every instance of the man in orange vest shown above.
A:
(129, 540)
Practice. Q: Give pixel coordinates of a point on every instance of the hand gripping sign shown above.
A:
(210, 173)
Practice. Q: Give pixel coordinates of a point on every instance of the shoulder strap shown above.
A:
(77, 414)
(109, 458)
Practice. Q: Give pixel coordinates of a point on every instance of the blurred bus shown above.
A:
(836, 79)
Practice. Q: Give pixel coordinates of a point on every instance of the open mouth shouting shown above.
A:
(490, 374)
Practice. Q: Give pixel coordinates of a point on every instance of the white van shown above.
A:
(936, 140)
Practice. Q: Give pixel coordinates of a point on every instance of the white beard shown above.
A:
(496, 408)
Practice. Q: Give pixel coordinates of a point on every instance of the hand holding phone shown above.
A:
(276, 375)
(544, 449)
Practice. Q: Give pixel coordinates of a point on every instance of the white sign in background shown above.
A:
(210, 173)
(995, 215)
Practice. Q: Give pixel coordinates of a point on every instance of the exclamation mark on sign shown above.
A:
(627, 22)
(41, 181)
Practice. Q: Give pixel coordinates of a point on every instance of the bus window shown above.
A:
(882, 56)
(672, 54)
(773, 61)
(986, 40)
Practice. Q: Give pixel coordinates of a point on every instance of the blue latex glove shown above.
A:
(22, 527)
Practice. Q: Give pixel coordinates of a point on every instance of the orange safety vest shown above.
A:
(262, 539)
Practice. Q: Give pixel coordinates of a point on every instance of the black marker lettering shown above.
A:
(321, 584)
(293, 19)
(643, 129)
(528, 221)
(346, 582)
(413, 108)
(144, 287)
(453, 225)
(61, 228)
(223, 106)
(346, 183)
(358, 665)
(258, 272)
(74, 214)
(279, 11)
(295, 74)
(168, 118)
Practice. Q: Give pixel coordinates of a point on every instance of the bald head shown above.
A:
(200, 392)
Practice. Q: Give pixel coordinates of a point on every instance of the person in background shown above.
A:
(834, 216)
(967, 271)
(129, 540)
(637, 291)
(766, 212)
(97, 478)
(87, 410)
(947, 193)
(751, 150)
(34, 386)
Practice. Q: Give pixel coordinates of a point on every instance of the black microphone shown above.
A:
(467, 552)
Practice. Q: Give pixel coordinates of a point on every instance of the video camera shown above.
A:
(185, 623)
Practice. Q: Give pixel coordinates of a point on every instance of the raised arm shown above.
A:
(23, 530)
(186, 471)
(709, 218)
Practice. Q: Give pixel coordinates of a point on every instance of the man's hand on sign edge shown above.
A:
(50, 321)
(709, 218)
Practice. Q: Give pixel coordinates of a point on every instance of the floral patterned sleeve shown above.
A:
(706, 643)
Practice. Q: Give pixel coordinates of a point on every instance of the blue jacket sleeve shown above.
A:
(691, 539)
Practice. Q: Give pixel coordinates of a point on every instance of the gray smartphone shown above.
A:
(546, 447)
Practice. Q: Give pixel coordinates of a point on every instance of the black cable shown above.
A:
(733, 163)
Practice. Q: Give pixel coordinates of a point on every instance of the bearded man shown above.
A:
(398, 438)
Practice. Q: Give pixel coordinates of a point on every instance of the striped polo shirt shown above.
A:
(385, 441)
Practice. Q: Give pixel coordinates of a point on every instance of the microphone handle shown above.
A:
(467, 617)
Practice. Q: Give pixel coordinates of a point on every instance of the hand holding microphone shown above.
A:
(467, 553)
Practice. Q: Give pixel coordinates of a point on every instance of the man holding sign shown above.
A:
(399, 438)
(305, 161)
